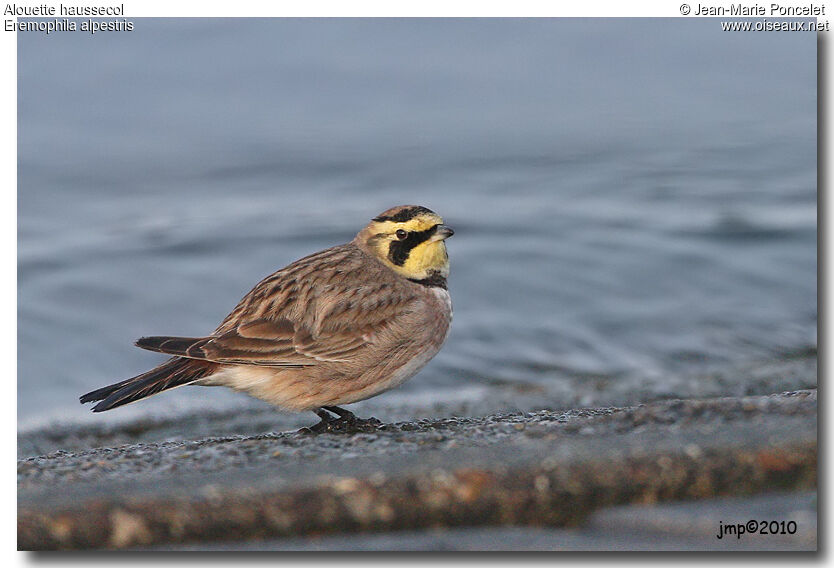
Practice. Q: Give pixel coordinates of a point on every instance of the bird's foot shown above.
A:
(355, 425)
(346, 423)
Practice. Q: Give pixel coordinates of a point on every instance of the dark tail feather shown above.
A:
(104, 392)
(173, 345)
(173, 373)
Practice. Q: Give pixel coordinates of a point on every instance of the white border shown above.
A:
(253, 8)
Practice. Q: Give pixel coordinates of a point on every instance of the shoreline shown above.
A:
(545, 468)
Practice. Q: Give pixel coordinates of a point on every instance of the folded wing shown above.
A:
(318, 309)
(269, 343)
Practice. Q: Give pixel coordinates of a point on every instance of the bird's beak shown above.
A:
(442, 232)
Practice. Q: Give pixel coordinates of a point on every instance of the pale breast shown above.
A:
(444, 298)
(427, 337)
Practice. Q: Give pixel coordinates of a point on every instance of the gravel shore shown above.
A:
(542, 469)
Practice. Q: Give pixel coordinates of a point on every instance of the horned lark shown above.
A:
(335, 327)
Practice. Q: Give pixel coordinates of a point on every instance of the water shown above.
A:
(634, 200)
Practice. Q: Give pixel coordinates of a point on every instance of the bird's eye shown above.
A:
(401, 234)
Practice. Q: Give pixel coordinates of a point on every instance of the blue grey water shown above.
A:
(634, 200)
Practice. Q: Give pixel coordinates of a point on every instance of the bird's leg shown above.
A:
(325, 417)
(341, 412)
(347, 422)
(323, 426)
(350, 419)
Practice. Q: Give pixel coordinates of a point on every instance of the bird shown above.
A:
(338, 326)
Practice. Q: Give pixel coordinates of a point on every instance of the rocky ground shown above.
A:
(662, 475)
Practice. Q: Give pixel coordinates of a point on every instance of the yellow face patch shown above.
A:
(412, 247)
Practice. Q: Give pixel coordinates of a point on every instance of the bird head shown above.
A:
(409, 239)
